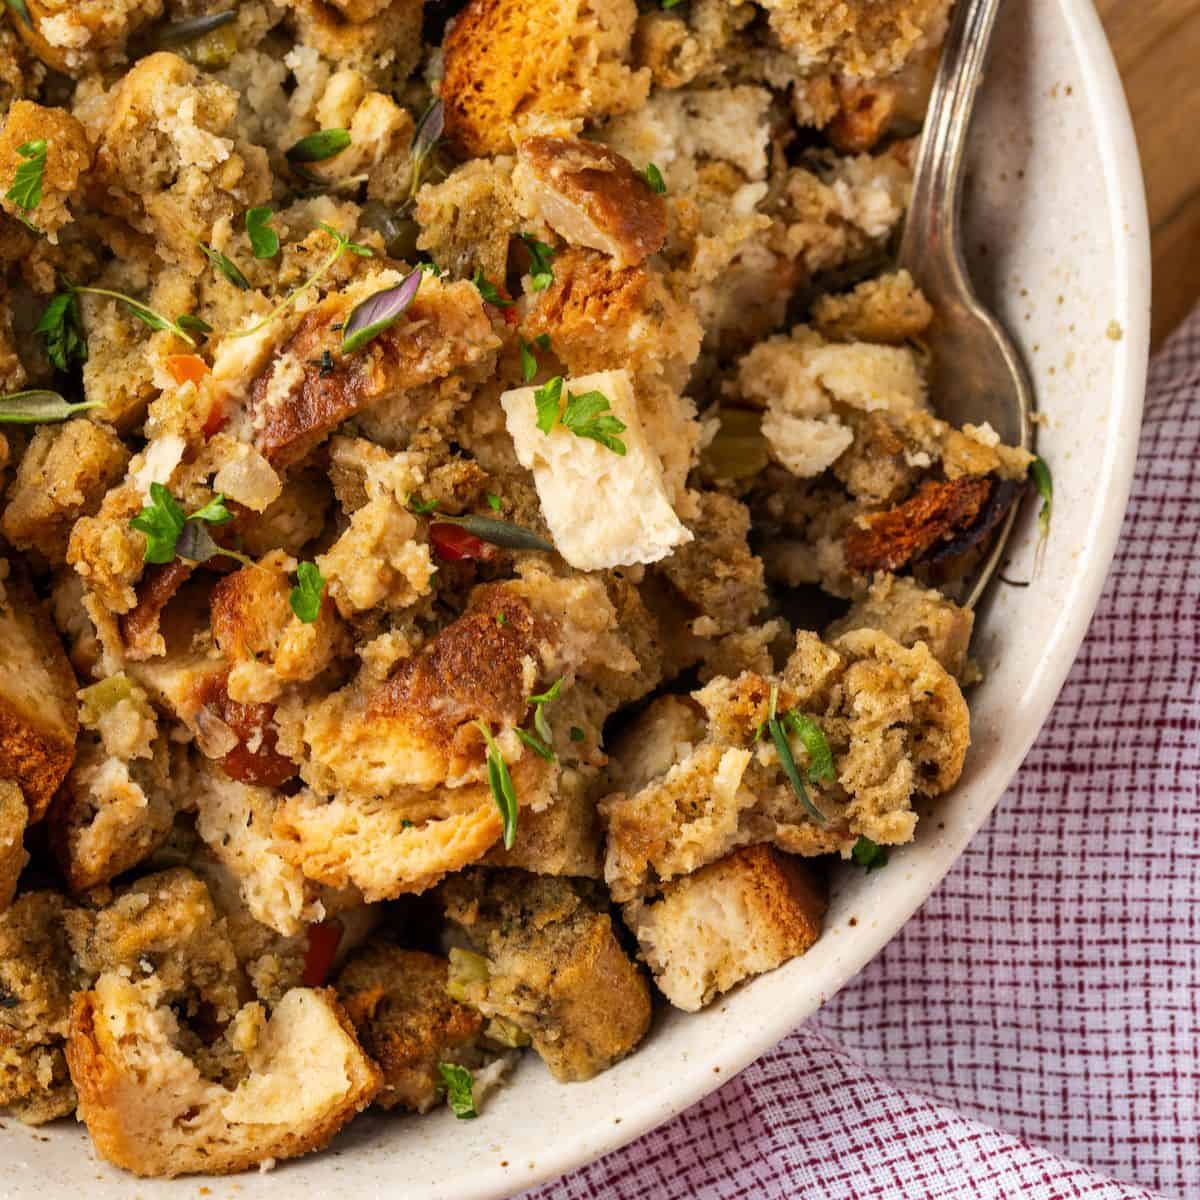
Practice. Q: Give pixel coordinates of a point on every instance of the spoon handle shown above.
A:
(929, 246)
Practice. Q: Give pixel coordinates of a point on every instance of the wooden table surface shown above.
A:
(1157, 45)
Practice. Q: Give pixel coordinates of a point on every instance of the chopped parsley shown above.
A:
(420, 507)
(489, 291)
(61, 324)
(869, 854)
(164, 523)
(820, 757)
(541, 269)
(226, 266)
(653, 176)
(264, 241)
(26, 190)
(500, 781)
(493, 501)
(587, 415)
(319, 146)
(457, 1083)
(305, 597)
(529, 362)
(577, 734)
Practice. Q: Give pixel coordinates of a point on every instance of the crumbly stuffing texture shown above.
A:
(476, 395)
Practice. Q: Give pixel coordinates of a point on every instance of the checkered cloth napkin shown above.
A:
(1042, 1011)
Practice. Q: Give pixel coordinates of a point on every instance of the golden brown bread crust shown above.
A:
(593, 197)
(155, 590)
(405, 1020)
(39, 718)
(509, 59)
(68, 157)
(444, 330)
(890, 540)
(13, 815)
(100, 27)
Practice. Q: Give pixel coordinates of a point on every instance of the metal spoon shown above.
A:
(977, 374)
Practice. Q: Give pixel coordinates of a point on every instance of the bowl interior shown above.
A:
(1058, 245)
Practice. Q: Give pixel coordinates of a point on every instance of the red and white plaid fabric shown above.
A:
(1042, 1011)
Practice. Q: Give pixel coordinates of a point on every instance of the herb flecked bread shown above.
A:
(476, 539)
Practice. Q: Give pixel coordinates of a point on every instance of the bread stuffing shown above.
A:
(479, 547)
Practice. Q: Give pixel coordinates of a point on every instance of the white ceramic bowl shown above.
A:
(1059, 246)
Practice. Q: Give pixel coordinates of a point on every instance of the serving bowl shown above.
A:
(1058, 245)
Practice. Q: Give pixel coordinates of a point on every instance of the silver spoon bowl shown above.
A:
(976, 373)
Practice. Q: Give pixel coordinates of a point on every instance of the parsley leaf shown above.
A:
(169, 532)
(317, 147)
(589, 415)
(541, 270)
(653, 176)
(493, 501)
(162, 522)
(305, 597)
(457, 1082)
(529, 364)
(820, 757)
(62, 325)
(869, 854)
(226, 266)
(548, 399)
(264, 241)
(489, 291)
(420, 507)
(26, 190)
(501, 784)
(577, 734)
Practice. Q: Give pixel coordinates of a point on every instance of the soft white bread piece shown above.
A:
(39, 718)
(13, 816)
(737, 917)
(150, 1110)
(604, 509)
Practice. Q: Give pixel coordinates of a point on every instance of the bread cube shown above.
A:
(735, 918)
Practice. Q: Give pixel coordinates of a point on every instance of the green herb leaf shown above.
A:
(26, 190)
(588, 415)
(500, 533)
(870, 855)
(458, 1083)
(784, 750)
(430, 268)
(501, 784)
(37, 406)
(577, 734)
(493, 501)
(62, 326)
(488, 290)
(305, 597)
(669, 4)
(19, 7)
(653, 176)
(535, 744)
(539, 702)
(194, 323)
(529, 364)
(421, 507)
(214, 512)
(162, 522)
(264, 241)
(820, 757)
(426, 136)
(380, 311)
(1040, 473)
(541, 269)
(226, 266)
(548, 399)
(143, 312)
(178, 33)
(550, 694)
(319, 146)
(342, 245)
(196, 544)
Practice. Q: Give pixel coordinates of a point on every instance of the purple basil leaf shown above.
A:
(374, 314)
(196, 543)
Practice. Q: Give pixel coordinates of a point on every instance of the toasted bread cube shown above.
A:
(63, 475)
(590, 196)
(77, 36)
(904, 610)
(37, 976)
(379, 38)
(737, 917)
(555, 967)
(563, 839)
(68, 157)
(406, 1020)
(604, 509)
(890, 309)
(39, 718)
(511, 59)
(13, 816)
(150, 1110)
